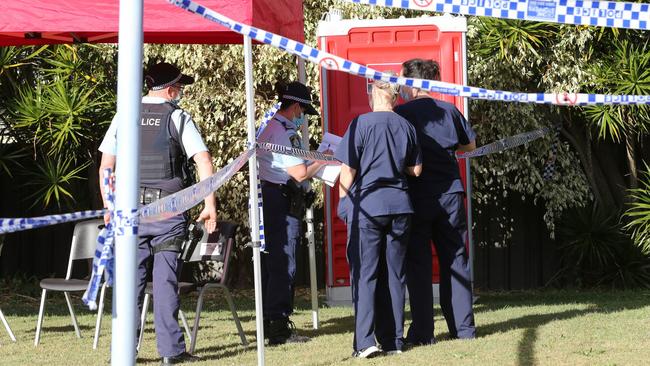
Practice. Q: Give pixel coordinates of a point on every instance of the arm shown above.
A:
(467, 148)
(415, 170)
(203, 162)
(108, 161)
(345, 179)
(303, 172)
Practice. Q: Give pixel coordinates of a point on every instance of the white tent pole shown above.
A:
(129, 94)
(254, 202)
(468, 171)
(313, 280)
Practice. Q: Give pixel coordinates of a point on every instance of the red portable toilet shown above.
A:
(382, 44)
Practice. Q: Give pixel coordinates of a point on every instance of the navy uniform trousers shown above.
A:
(166, 265)
(376, 251)
(282, 234)
(441, 219)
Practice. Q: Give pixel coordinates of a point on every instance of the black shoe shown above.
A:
(410, 343)
(283, 331)
(178, 359)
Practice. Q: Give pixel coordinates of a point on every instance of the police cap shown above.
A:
(163, 75)
(300, 93)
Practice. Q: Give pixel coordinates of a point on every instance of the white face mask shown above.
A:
(178, 96)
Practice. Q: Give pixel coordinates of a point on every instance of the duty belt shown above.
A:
(148, 195)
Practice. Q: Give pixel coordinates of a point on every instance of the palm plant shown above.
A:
(55, 100)
(639, 213)
(626, 70)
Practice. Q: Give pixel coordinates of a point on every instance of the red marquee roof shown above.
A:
(27, 22)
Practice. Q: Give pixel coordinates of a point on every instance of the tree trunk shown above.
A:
(630, 150)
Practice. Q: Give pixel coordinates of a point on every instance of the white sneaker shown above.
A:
(394, 352)
(369, 352)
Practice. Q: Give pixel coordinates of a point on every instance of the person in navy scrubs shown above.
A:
(377, 152)
(437, 196)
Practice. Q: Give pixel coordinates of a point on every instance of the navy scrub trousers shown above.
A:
(166, 265)
(441, 219)
(282, 233)
(376, 251)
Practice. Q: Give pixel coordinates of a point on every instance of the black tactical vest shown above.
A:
(161, 155)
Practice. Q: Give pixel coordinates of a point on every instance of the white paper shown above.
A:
(329, 173)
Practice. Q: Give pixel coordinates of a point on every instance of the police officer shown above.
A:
(377, 152)
(168, 139)
(437, 197)
(283, 199)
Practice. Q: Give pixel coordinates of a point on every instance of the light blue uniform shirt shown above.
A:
(273, 166)
(192, 141)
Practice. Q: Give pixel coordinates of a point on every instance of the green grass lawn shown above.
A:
(523, 328)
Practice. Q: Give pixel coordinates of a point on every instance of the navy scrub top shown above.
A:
(379, 146)
(440, 129)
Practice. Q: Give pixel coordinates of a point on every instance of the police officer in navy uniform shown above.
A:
(283, 207)
(437, 197)
(168, 139)
(377, 152)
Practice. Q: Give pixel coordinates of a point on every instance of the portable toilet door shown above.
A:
(382, 44)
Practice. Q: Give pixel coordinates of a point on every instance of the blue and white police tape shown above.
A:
(615, 14)
(189, 197)
(300, 153)
(9, 225)
(333, 62)
(267, 117)
(104, 259)
(506, 143)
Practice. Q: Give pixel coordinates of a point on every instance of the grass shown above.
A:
(523, 328)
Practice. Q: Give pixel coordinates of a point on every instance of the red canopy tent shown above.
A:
(30, 22)
(35, 22)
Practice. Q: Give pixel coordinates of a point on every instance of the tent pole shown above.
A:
(129, 95)
(468, 173)
(254, 202)
(313, 280)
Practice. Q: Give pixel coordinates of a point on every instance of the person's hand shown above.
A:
(209, 217)
(107, 217)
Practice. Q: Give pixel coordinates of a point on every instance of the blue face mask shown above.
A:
(405, 96)
(298, 121)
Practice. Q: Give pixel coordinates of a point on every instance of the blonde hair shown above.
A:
(383, 89)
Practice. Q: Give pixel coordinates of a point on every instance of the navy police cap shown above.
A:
(163, 75)
(300, 93)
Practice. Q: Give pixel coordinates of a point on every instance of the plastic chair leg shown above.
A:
(143, 320)
(39, 322)
(197, 319)
(100, 311)
(185, 325)
(234, 315)
(72, 314)
(6, 324)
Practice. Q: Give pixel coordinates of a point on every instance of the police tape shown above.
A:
(506, 143)
(260, 199)
(189, 197)
(267, 117)
(9, 225)
(104, 258)
(615, 14)
(332, 62)
(295, 152)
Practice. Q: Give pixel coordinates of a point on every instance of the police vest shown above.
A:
(161, 155)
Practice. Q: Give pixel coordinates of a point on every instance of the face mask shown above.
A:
(402, 93)
(178, 96)
(298, 121)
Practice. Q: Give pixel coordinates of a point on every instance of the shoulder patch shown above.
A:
(295, 141)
